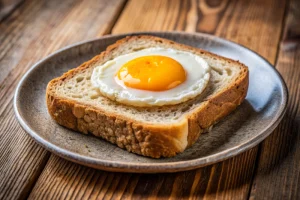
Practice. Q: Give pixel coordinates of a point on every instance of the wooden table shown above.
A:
(37, 28)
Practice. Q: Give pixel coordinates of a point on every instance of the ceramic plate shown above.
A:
(248, 125)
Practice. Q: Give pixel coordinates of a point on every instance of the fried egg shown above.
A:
(152, 77)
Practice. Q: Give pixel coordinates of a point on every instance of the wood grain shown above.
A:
(278, 173)
(7, 6)
(250, 23)
(62, 179)
(190, 16)
(226, 180)
(34, 30)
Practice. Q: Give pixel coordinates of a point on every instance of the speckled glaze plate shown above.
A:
(252, 122)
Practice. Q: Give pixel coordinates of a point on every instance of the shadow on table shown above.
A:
(225, 179)
(280, 146)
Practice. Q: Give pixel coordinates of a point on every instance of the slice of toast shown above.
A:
(151, 131)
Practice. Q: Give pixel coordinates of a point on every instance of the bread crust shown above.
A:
(153, 140)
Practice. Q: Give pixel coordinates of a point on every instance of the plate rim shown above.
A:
(121, 166)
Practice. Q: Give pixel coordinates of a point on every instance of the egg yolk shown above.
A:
(153, 73)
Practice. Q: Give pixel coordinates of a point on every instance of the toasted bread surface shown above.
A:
(150, 131)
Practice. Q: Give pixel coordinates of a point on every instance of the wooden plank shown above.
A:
(190, 16)
(7, 6)
(229, 179)
(250, 23)
(34, 30)
(278, 173)
(65, 180)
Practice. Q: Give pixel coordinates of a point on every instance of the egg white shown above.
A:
(197, 71)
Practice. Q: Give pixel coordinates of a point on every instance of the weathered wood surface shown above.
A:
(278, 171)
(7, 6)
(36, 29)
(248, 23)
(65, 180)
